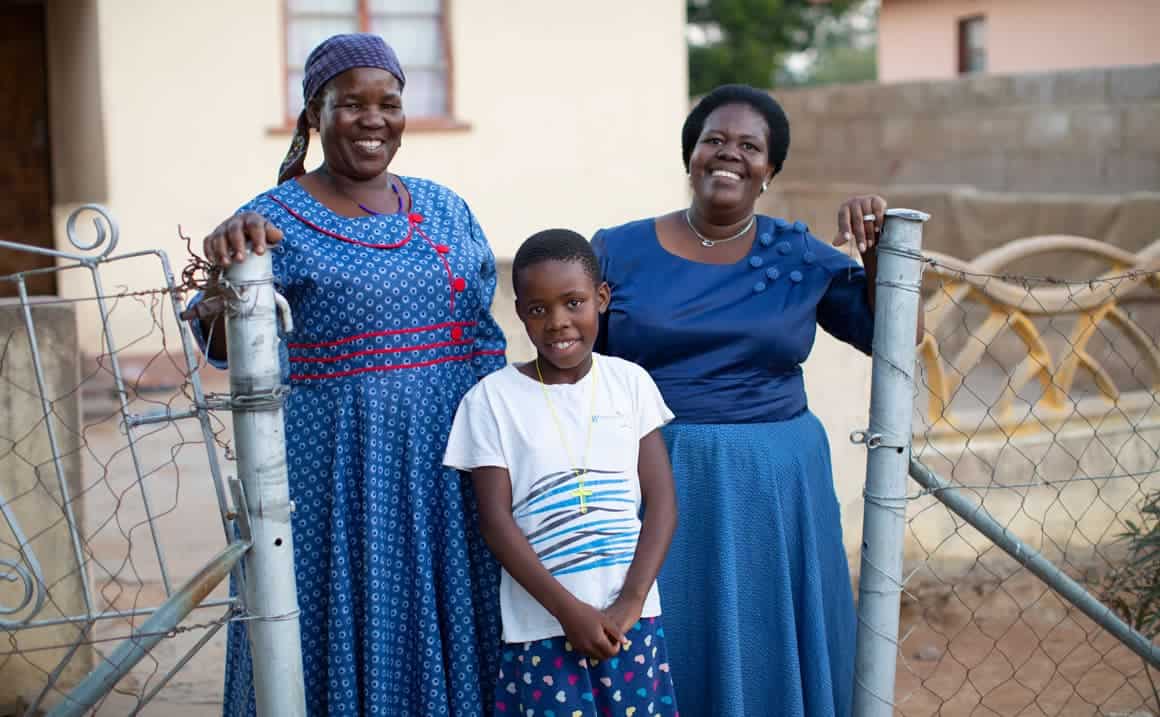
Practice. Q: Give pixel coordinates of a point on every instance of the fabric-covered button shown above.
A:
(456, 333)
(756, 261)
(808, 257)
(759, 287)
(800, 227)
(442, 248)
(459, 284)
(773, 273)
(780, 223)
(766, 239)
(795, 276)
(783, 247)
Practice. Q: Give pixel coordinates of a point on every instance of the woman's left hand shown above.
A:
(860, 221)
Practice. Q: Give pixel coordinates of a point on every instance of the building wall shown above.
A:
(918, 39)
(1078, 131)
(31, 487)
(558, 134)
(75, 112)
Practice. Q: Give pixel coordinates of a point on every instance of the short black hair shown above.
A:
(760, 101)
(555, 245)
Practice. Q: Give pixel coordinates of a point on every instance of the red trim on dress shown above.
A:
(413, 220)
(372, 352)
(446, 264)
(393, 367)
(385, 332)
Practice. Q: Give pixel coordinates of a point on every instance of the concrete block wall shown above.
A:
(1082, 131)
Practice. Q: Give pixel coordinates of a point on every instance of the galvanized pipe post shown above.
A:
(270, 592)
(897, 301)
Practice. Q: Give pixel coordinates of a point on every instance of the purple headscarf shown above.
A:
(330, 59)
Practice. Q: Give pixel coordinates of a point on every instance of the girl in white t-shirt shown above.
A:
(563, 451)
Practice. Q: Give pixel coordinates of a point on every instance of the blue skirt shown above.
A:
(756, 589)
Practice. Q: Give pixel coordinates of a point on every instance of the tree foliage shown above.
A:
(748, 40)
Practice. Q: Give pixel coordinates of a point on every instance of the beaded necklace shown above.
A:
(368, 210)
(398, 197)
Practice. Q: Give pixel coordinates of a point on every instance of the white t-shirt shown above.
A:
(505, 421)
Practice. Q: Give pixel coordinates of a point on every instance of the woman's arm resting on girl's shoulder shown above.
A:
(589, 630)
(656, 533)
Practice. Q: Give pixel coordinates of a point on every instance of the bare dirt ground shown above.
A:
(1012, 648)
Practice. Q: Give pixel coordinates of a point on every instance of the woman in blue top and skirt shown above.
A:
(721, 306)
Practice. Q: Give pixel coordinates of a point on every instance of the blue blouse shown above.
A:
(725, 342)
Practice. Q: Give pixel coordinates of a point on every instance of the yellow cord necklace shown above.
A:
(581, 491)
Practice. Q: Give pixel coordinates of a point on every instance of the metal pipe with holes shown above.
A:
(897, 301)
(270, 593)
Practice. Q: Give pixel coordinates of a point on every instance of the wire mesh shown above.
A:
(1039, 396)
(109, 483)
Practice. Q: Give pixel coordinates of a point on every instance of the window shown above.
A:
(972, 45)
(416, 29)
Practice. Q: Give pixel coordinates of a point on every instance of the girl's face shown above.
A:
(560, 306)
(359, 116)
(731, 158)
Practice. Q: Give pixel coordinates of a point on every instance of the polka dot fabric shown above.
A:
(399, 594)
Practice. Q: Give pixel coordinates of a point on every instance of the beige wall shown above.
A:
(562, 131)
(918, 39)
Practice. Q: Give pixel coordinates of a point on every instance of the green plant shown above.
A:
(1132, 589)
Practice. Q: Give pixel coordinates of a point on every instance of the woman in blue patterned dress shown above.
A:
(721, 305)
(390, 280)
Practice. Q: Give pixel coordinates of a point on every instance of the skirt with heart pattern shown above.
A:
(547, 678)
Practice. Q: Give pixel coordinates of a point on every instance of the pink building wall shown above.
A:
(918, 39)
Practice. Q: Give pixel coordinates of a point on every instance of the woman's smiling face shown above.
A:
(730, 160)
(360, 121)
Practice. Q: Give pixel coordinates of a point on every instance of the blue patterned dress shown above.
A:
(758, 605)
(399, 593)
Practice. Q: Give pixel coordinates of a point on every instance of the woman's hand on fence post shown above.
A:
(227, 243)
(860, 220)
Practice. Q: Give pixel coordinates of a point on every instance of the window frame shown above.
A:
(444, 121)
(965, 51)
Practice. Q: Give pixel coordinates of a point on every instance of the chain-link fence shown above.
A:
(114, 518)
(1037, 413)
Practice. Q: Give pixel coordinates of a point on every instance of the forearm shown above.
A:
(214, 331)
(656, 534)
(660, 517)
(870, 264)
(207, 320)
(516, 555)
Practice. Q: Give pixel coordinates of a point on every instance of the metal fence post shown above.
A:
(897, 301)
(271, 596)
